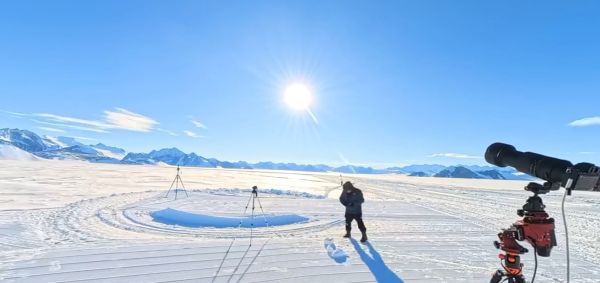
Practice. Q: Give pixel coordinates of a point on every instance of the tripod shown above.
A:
(176, 183)
(254, 199)
(535, 227)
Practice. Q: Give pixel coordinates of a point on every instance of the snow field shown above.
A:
(97, 227)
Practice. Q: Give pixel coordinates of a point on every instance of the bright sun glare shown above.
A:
(298, 96)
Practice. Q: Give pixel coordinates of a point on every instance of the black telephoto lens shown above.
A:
(544, 167)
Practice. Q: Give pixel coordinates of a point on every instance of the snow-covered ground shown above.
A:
(70, 221)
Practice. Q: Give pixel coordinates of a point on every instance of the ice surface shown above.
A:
(182, 218)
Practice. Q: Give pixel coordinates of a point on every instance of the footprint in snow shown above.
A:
(338, 255)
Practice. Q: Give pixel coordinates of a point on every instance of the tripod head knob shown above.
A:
(497, 245)
(540, 189)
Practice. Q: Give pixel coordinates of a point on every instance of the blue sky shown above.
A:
(394, 83)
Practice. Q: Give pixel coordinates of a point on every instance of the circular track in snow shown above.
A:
(275, 206)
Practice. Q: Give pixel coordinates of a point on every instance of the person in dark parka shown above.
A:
(352, 198)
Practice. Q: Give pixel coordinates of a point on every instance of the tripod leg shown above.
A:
(247, 205)
(245, 210)
(184, 190)
(252, 219)
(497, 277)
(167, 195)
(176, 185)
(262, 211)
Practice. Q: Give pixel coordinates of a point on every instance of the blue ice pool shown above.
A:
(187, 219)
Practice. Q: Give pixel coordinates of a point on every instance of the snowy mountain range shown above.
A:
(23, 144)
(59, 147)
(465, 171)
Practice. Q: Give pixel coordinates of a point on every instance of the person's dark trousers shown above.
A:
(359, 221)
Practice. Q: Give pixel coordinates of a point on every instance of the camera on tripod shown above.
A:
(535, 227)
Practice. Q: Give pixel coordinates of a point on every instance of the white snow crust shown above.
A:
(73, 221)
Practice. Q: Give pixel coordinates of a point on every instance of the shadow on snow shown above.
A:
(375, 264)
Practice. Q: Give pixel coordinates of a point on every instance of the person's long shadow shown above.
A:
(382, 273)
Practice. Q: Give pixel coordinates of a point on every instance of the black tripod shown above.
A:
(176, 183)
(254, 199)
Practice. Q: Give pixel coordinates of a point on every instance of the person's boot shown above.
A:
(364, 237)
(347, 235)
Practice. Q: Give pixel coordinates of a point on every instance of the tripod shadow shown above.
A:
(375, 264)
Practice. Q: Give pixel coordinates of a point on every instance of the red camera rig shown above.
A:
(535, 227)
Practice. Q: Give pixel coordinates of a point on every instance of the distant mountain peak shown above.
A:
(167, 151)
(23, 139)
(458, 172)
(494, 174)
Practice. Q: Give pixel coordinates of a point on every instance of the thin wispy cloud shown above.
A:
(171, 133)
(191, 134)
(199, 124)
(51, 129)
(72, 120)
(85, 138)
(117, 119)
(455, 155)
(585, 122)
(14, 114)
(127, 120)
(61, 125)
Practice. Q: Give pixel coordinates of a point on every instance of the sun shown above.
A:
(298, 96)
